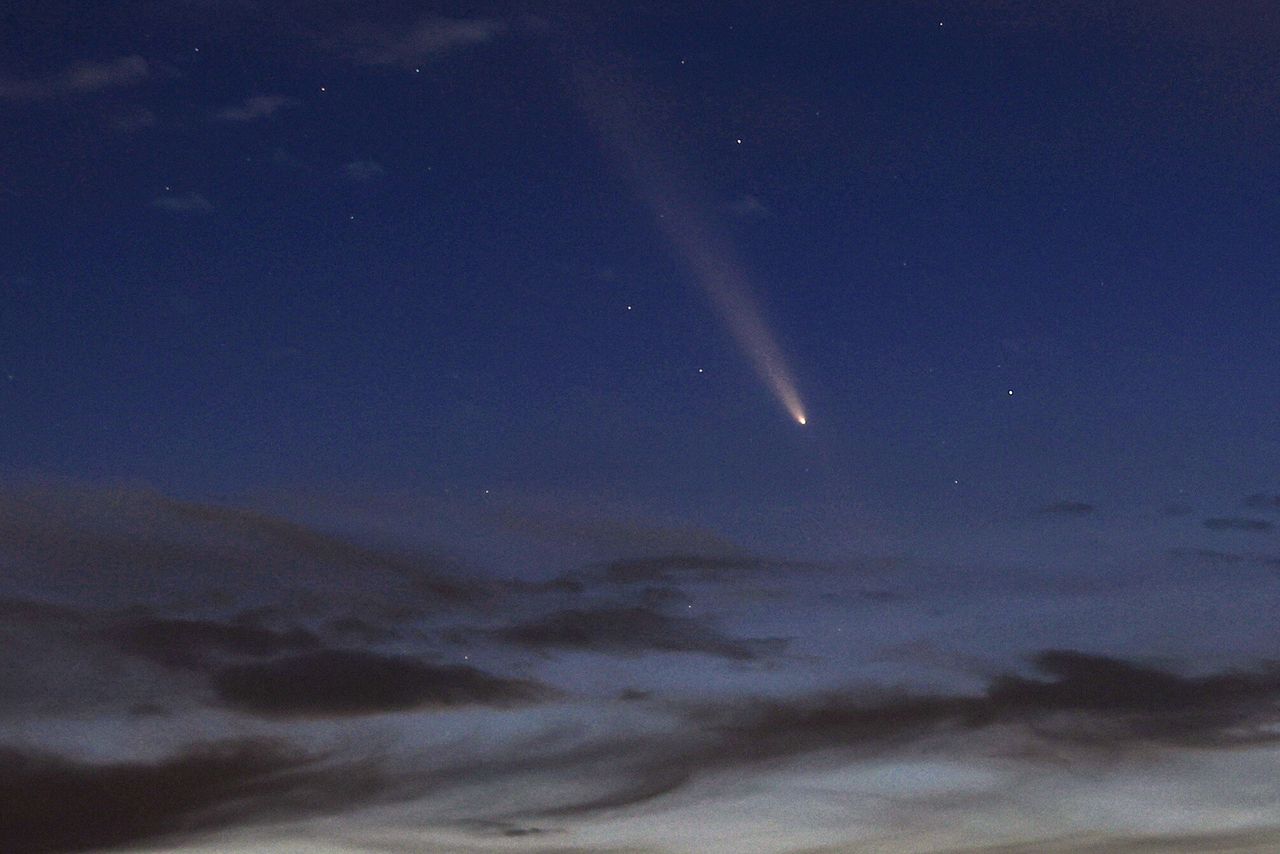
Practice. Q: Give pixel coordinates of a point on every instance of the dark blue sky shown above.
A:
(935, 205)
(523, 288)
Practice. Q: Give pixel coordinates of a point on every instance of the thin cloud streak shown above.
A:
(342, 683)
(255, 107)
(81, 78)
(429, 38)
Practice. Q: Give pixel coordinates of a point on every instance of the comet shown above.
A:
(707, 254)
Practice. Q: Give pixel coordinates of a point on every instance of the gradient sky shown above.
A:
(400, 447)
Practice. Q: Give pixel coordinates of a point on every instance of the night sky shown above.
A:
(717, 427)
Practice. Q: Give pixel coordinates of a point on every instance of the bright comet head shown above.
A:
(803, 421)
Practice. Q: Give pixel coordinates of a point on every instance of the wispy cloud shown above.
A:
(183, 203)
(79, 79)
(133, 119)
(364, 170)
(343, 683)
(193, 643)
(1238, 523)
(255, 107)
(1085, 701)
(669, 567)
(632, 630)
(430, 38)
(1260, 840)
(1262, 501)
(748, 206)
(1067, 508)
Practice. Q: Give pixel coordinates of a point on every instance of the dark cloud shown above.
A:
(632, 630)
(120, 547)
(1237, 523)
(664, 566)
(1068, 508)
(513, 832)
(1136, 702)
(338, 683)
(360, 631)
(56, 804)
(1262, 501)
(1207, 555)
(78, 79)
(267, 533)
(191, 643)
(668, 567)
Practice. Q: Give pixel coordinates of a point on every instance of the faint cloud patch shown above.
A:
(1263, 501)
(256, 107)
(1238, 523)
(349, 683)
(364, 170)
(430, 38)
(132, 120)
(748, 206)
(283, 157)
(78, 79)
(1067, 508)
(185, 203)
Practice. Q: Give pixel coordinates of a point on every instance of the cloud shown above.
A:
(748, 206)
(1261, 840)
(1141, 703)
(430, 38)
(1088, 701)
(192, 643)
(689, 565)
(364, 170)
(255, 107)
(59, 804)
(1237, 523)
(185, 203)
(133, 119)
(631, 631)
(79, 79)
(663, 567)
(1262, 501)
(115, 548)
(1206, 555)
(338, 683)
(1068, 508)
